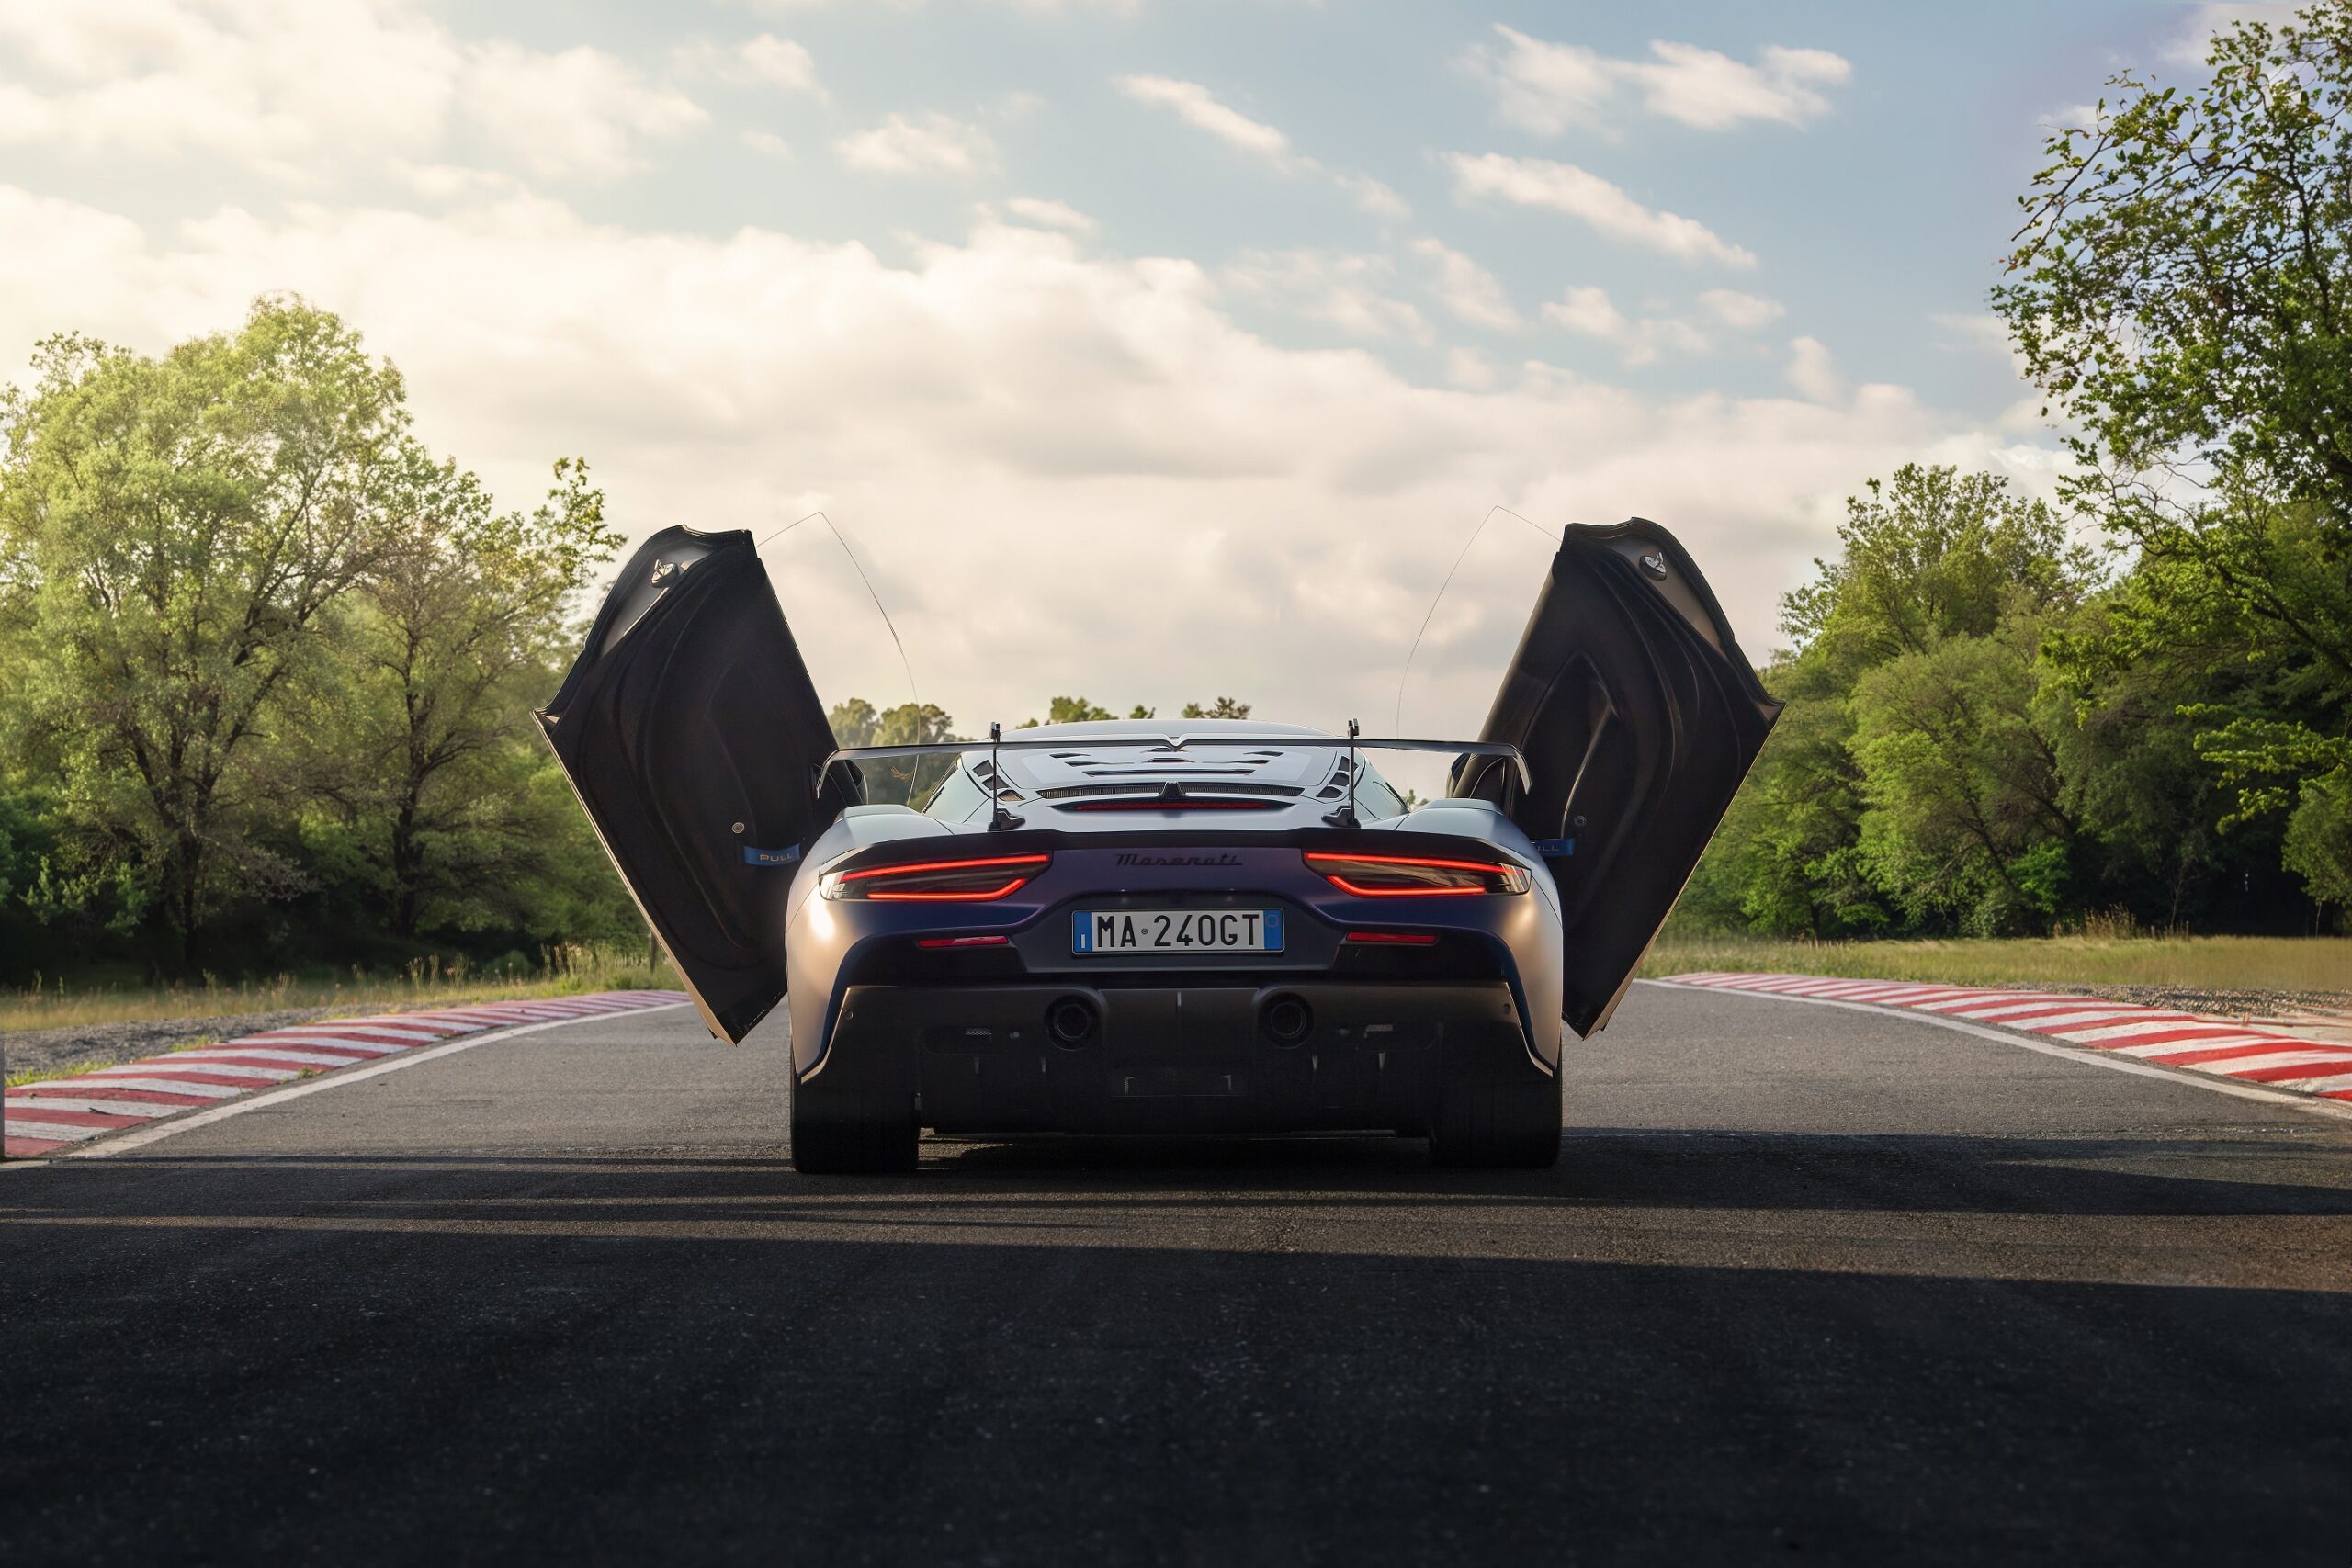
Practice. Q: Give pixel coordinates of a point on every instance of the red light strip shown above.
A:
(1344, 886)
(1490, 868)
(964, 942)
(1394, 939)
(944, 865)
(884, 895)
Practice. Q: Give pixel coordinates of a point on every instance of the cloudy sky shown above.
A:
(1147, 349)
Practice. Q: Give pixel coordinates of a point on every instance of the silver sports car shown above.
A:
(1163, 926)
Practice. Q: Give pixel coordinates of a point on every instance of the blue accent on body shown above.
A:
(788, 856)
(1552, 848)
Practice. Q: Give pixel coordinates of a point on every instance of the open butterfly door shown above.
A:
(1639, 717)
(692, 734)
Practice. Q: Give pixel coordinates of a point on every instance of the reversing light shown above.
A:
(1416, 876)
(936, 881)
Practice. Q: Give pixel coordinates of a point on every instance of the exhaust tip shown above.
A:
(1071, 1021)
(1287, 1020)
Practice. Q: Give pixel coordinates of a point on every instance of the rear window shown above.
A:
(1376, 800)
(959, 795)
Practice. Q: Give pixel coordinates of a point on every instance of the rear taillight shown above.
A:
(936, 881)
(1416, 876)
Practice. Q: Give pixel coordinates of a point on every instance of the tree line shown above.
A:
(1994, 726)
(910, 780)
(269, 665)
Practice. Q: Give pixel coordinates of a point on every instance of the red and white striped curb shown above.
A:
(47, 1116)
(2201, 1045)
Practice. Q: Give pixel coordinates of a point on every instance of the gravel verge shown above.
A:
(52, 1051)
(2242, 1005)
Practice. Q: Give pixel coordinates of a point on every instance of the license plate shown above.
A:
(1175, 931)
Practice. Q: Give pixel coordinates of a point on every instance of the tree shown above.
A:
(1855, 820)
(2183, 289)
(1070, 710)
(437, 658)
(2319, 837)
(2182, 292)
(175, 530)
(1787, 860)
(1930, 554)
(905, 781)
(1223, 707)
(1966, 812)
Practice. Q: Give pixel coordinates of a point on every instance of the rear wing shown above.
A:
(1180, 742)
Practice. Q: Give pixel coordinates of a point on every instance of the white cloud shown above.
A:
(1373, 196)
(1563, 187)
(2071, 117)
(1468, 290)
(766, 60)
(1051, 214)
(1742, 313)
(301, 90)
(935, 145)
(1547, 88)
(2194, 38)
(1471, 370)
(1009, 408)
(1589, 312)
(1344, 291)
(768, 144)
(1978, 331)
(1713, 92)
(580, 112)
(454, 182)
(1586, 310)
(780, 62)
(1199, 108)
(1812, 371)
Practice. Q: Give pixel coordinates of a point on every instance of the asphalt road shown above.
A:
(1807, 1283)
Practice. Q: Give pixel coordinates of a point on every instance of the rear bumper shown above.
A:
(1173, 1059)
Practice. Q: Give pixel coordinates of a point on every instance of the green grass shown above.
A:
(46, 1075)
(567, 971)
(2204, 962)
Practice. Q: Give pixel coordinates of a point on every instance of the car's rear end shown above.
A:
(1146, 971)
(1163, 927)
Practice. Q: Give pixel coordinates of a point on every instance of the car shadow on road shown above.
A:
(2154, 1176)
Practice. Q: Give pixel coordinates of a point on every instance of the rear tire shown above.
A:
(843, 1136)
(1482, 1124)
